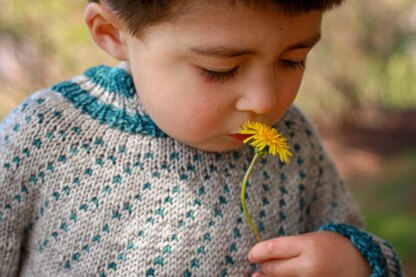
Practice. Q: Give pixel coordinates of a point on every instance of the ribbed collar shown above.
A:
(108, 95)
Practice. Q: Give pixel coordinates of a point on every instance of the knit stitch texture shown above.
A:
(90, 186)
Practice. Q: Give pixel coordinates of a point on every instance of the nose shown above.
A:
(259, 94)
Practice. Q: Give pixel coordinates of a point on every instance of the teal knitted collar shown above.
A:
(108, 95)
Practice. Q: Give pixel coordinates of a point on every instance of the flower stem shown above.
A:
(243, 198)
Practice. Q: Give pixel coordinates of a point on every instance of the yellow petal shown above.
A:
(266, 137)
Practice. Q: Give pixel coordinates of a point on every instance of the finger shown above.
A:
(277, 248)
(277, 268)
(258, 274)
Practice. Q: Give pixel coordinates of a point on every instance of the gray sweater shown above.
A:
(90, 186)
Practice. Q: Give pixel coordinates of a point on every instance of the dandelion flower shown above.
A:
(266, 138)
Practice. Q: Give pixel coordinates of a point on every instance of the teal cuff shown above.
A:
(368, 248)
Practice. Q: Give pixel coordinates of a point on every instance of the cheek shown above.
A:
(287, 92)
(201, 115)
(183, 110)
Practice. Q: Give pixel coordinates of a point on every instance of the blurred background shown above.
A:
(359, 87)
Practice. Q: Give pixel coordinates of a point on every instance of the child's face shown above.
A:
(203, 75)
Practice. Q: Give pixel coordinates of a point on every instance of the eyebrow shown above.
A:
(309, 43)
(225, 52)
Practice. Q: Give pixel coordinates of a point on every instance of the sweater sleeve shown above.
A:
(17, 140)
(332, 208)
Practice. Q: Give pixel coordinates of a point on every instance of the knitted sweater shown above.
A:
(90, 186)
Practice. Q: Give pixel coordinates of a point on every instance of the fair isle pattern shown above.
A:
(90, 186)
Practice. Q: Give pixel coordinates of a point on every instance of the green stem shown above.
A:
(243, 198)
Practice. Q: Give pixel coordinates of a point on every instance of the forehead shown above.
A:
(206, 22)
(190, 9)
(215, 12)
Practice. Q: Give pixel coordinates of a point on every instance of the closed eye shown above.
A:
(218, 76)
(294, 65)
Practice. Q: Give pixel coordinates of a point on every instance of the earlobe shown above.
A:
(105, 30)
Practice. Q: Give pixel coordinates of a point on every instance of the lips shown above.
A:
(239, 137)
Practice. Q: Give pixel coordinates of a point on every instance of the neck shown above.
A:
(125, 65)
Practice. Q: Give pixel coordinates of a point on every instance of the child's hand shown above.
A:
(312, 254)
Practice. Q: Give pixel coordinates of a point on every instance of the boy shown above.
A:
(131, 171)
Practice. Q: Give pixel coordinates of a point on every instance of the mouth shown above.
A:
(239, 137)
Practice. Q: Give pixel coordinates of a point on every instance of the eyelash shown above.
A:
(219, 76)
(294, 65)
(222, 77)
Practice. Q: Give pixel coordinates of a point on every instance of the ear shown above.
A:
(106, 30)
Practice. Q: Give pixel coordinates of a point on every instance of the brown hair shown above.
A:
(138, 14)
